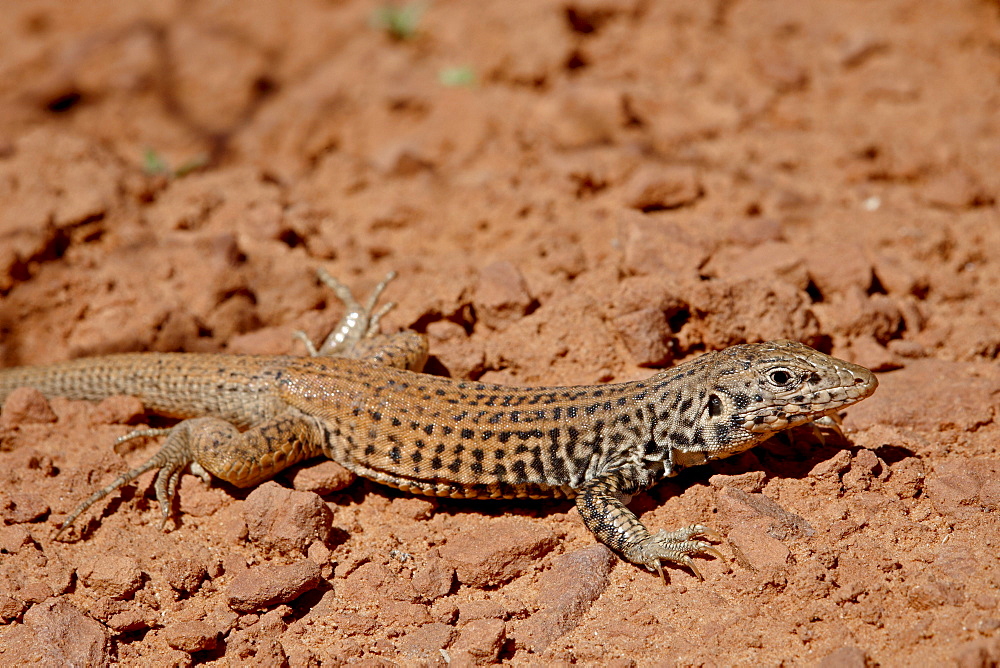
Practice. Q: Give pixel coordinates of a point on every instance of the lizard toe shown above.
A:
(677, 547)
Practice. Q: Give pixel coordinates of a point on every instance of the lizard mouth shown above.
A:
(792, 415)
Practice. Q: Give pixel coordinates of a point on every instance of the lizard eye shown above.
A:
(714, 405)
(779, 376)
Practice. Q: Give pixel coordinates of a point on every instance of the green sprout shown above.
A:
(398, 21)
(191, 165)
(154, 164)
(455, 77)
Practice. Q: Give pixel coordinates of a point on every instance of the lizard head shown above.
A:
(749, 392)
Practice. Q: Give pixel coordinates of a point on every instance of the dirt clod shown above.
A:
(259, 588)
(26, 405)
(285, 520)
(492, 556)
(117, 577)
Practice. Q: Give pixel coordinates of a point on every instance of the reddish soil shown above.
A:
(624, 184)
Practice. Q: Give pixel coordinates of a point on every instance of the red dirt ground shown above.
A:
(620, 185)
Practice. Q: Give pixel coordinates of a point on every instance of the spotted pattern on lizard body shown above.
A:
(248, 417)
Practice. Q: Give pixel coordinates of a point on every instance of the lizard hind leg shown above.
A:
(171, 460)
(359, 322)
(357, 335)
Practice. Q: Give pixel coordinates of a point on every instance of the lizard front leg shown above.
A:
(601, 503)
(216, 447)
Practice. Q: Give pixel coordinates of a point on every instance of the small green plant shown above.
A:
(398, 21)
(455, 77)
(154, 164)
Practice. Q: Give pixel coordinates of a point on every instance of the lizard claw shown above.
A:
(678, 547)
(170, 461)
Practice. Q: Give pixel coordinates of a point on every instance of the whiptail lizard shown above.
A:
(360, 401)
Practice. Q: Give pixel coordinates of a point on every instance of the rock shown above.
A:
(20, 507)
(906, 349)
(771, 259)
(856, 314)
(114, 576)
(13, 538)
(55, 633)
(501, 295)
(286, 520)
(118, 410)
(931, 593)
(26, 405)
(433, 577)
(906, 478)
(402, 159)
(568, 590)
(727, 312)
(660, 247)
(965, 489)
(583, 116)
(184, 574)
(49, 192)
(761, 552)
(640, 312)
(193, 636)
(761, 513)
(498, 552)
(35, 592)
(485, 609)
(259, 643)
(132, 619)
(954, 190)
(426, 642)
(979, 653)
(836, 268)
(11, 608)
(864, 467)
(831, 469)
(374, 582)
(857, 48)
(867, 352)
(265, 586)
(647, 336)
(781, 70)
(401, 614)
(749, 482)
(324, 477)
(461, 357)
(479, 642)
(663, 188)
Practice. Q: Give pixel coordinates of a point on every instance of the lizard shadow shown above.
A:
(455, 507)
(789, 454)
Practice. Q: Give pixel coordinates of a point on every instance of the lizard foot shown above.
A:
(677, 547)
(171, 460)
(360, 321)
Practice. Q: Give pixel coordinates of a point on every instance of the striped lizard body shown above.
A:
(360, 401)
